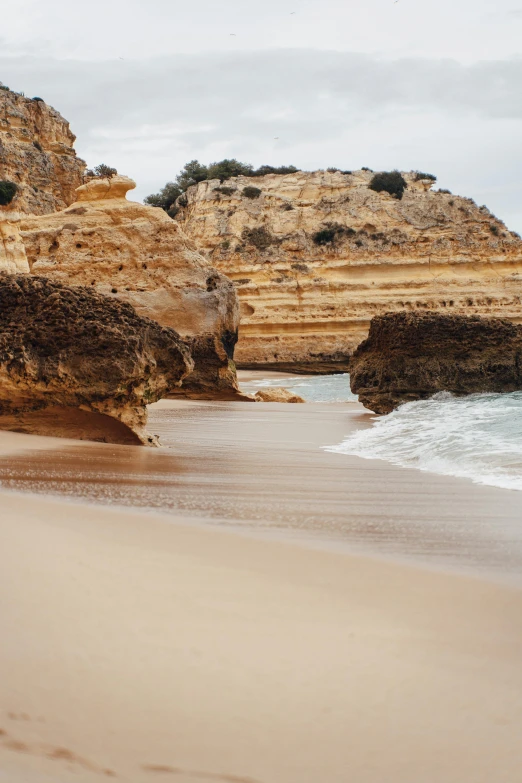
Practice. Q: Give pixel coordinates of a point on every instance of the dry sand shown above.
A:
(144, 650)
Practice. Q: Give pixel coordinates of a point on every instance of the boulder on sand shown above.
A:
(75, 363)
(277, 394)
(412, 356)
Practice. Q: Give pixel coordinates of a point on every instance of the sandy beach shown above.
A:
(231, 636)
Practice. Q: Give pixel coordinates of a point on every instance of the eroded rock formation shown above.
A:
(74, 363)
(412, 356)
(307, 300)
(277, 394)
(36, 153)
(13, 258)
(137, 254)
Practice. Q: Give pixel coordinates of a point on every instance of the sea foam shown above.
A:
(477, 437)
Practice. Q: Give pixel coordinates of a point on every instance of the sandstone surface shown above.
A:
(137, 254)
(74, 363)
(13, 258)
(306, 305)
(412, 356)
(277, 394)
(37, 154)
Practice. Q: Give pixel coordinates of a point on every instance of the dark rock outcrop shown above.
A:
(74, 363)
(412, 356)
(213, 368)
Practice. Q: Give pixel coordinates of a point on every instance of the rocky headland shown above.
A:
(316, 255)
(37, 154)
(74, 363)
(137, 254)
(412, 356)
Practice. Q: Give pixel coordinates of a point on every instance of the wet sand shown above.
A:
(146, 646)
(261, 469)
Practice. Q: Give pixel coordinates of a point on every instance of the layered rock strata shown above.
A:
(412, 356)
(137, 254)
(37, 154)
(315, 256)
(74, 363)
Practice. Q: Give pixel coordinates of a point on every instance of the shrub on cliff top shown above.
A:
(101, 172)
(8, 191)
(191, 173)
(419, 175)
(391, 182)
(224, 169)
(165, 198)
(194, 172)
(262, 170)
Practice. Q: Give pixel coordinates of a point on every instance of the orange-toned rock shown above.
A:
(12, 251)
(277, 394)
(37, 154)
(137, 254)
(307, 300)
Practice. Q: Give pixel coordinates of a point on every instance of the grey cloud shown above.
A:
(223, 86)
(149, 117)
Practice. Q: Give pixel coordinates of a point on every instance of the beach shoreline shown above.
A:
(266, 470)
(209, 641)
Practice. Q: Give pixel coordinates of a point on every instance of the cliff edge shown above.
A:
(316, 255)
(37, 154)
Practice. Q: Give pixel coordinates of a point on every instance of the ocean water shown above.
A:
(312, 388)
(477, 437)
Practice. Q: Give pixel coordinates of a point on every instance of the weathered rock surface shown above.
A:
(76, 364)
(309, 305)
(36, 153)
(277, 394)
(412, 356)
(137, 254)
(12, 251)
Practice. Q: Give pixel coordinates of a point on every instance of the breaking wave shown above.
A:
(477, 437)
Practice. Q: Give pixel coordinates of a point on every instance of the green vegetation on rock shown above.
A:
(194, 172)
(391, 182)
(8, 191)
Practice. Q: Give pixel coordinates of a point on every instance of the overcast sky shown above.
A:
(415, 84)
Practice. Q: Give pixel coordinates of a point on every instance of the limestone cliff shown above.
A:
(77, 364)
(12, 250)
(128, 251)
(316, 255)
(412, 356)
(36, 153)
